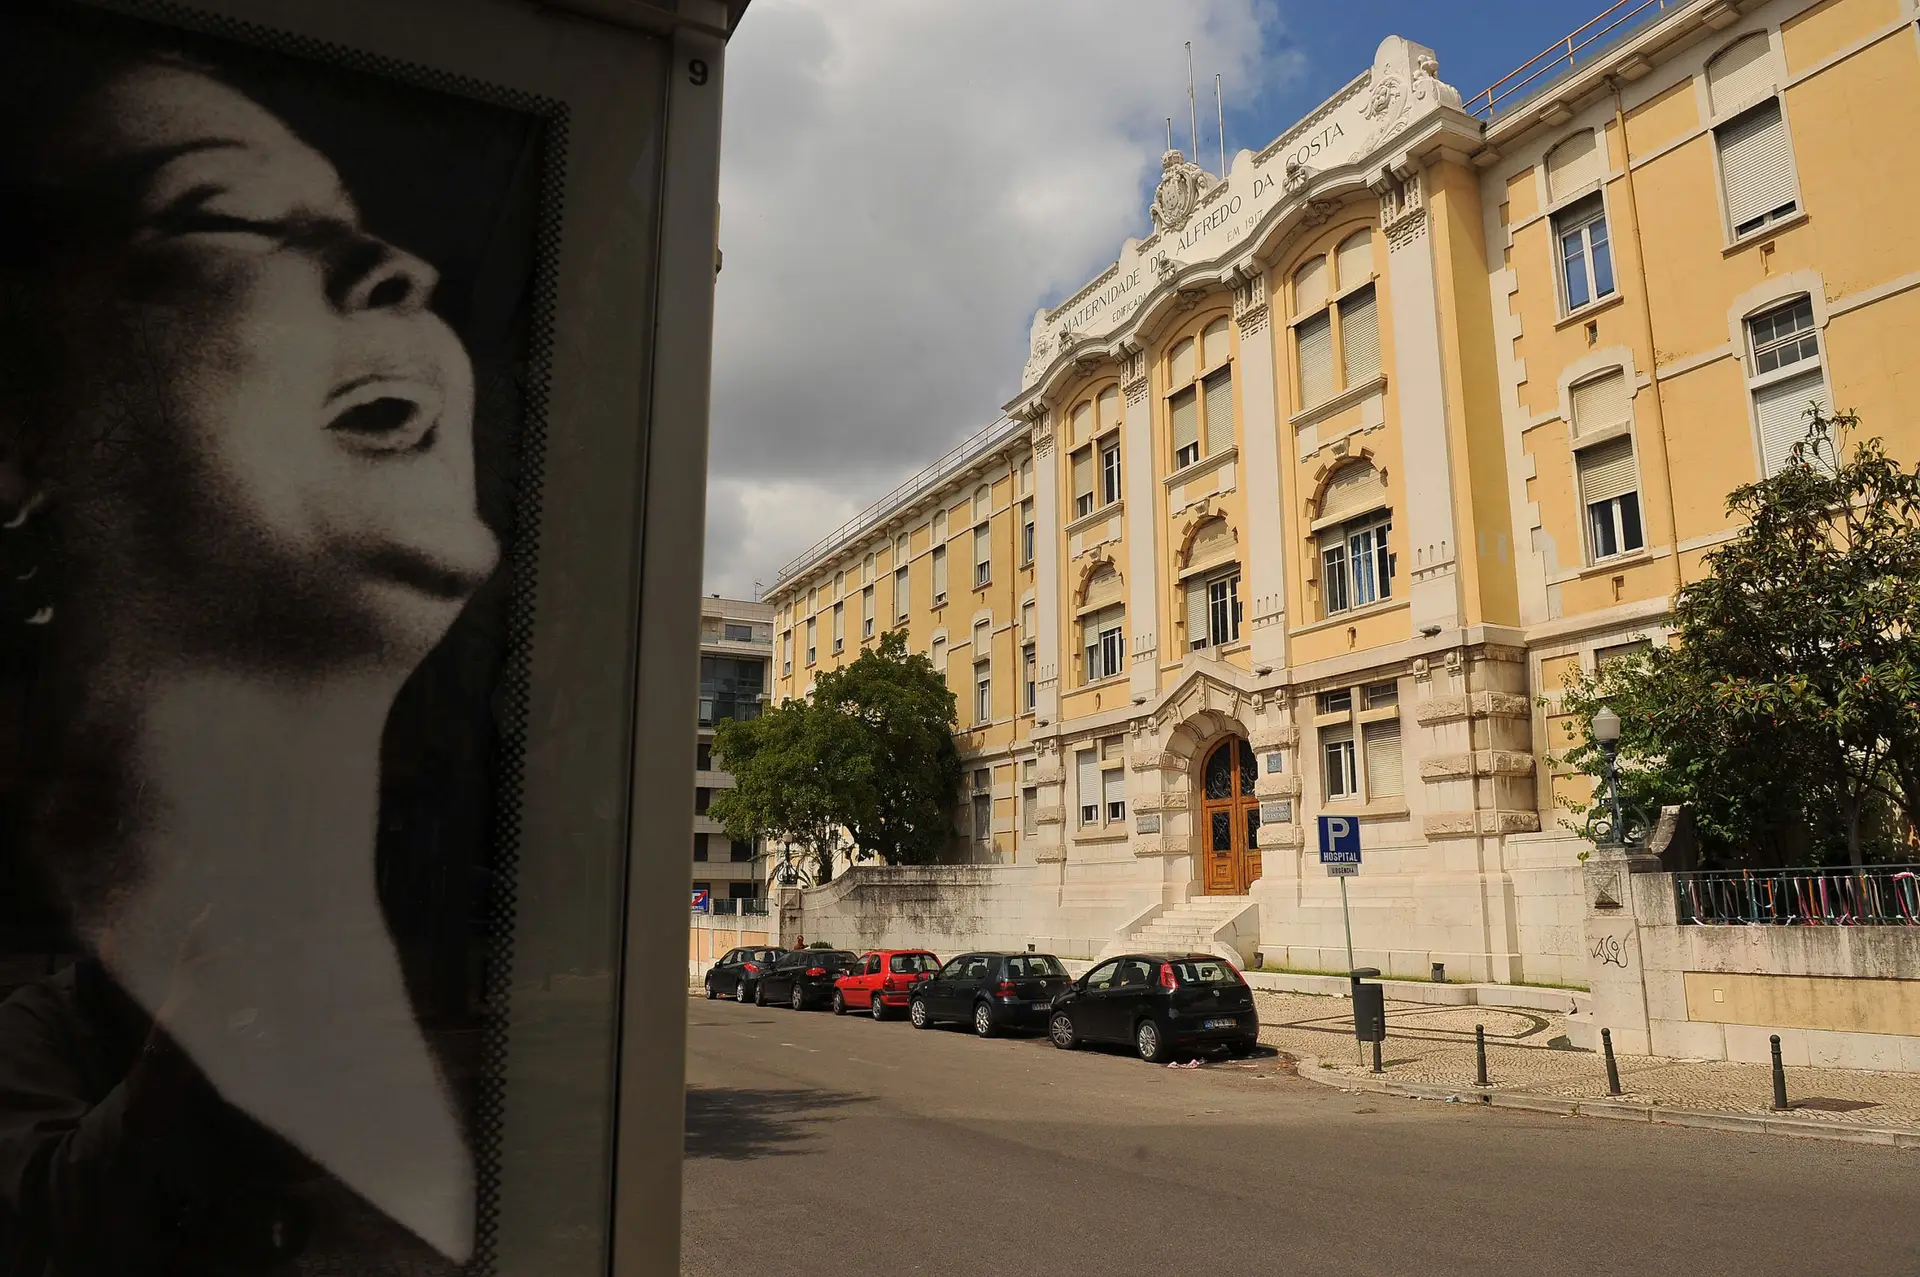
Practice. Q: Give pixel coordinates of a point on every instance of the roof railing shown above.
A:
(869, 518)
(1563, 56)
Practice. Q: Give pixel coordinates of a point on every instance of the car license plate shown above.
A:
(1222, 1024)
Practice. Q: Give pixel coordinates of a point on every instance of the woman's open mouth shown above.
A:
(385, 414)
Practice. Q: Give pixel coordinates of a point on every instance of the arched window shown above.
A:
(1750, 134)
(1103, 620)
(1325, 290)
(1352, 525)
(1200, 398)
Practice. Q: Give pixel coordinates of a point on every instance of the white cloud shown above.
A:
(903, 183)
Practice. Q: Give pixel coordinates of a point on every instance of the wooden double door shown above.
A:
(1229, 819)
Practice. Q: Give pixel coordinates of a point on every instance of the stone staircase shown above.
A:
(1190, 927)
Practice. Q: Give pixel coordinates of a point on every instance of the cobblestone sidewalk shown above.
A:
(1528, 1054)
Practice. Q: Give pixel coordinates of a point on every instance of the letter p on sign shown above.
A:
(1339, 840)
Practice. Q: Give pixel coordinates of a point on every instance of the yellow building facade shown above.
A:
(1309, 503)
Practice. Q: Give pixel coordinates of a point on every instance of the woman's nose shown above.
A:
(379, 276)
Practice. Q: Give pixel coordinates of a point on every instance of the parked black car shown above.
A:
(1160, 1004)
(991, 991)
(803, 978)
(738, 970)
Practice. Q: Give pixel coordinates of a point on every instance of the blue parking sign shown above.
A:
(1339, 840)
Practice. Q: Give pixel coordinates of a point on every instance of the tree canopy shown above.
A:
(1787, 711)
(870, 753)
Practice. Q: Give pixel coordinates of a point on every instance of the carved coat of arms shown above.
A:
(1182, 183)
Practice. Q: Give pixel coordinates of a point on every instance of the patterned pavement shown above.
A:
(1528, 1053)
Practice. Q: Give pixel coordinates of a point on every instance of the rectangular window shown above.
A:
(839, 626)
(1340, 702)
(702, 799)
(902, 592)
(730, 688)
(939, 574)
(737, 633)
(1356, 567)
(1029, 664)
(866, 612)
(1313, 344)
(1381, 695)
(740, 850)
(1026, 533)
(1030, 811)
(1783, 337)
(982, 692)
(1383, 760)
(786, 653)
(1337, 762)
(1756, 165)
(1029, 627)
(1213, 611)
(1113, 789)
(812, 646)
(1359, 338)
(1186, 428)
(1087, 773)
(1083, 481)
(1219, 404)
(703, 757)
(1103, 635)
(700, 846)
(1600, 402)
(982, 817)
(982, 556)
(1110, 471)
(1609, 488)
(1586, 256)
(1781, 410)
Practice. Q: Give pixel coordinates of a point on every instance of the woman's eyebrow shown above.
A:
(140, 167)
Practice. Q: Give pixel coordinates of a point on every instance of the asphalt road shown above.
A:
(818, 1145)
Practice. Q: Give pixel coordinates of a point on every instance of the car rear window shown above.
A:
(910, 963)
(1205, 971)
(1034, 966)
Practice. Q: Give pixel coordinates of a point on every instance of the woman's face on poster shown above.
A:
(273, 430)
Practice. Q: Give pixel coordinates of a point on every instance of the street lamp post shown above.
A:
(1606, 734)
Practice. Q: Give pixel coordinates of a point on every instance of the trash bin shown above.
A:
(1369, 1006)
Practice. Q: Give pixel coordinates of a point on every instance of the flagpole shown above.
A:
(1193, 119)
(1220, 105)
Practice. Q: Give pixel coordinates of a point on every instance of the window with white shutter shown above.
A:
(1359, 338)
(1353, 490)
(1028, 612)
(1310, 287)
(1108, 415)
(866, 612)
(1384, 772)
(1186, 428)
(902, 592)
(1110, 469)
(1083, 481)
(1196, 614)
(1080, 428)
(982, 556)
(1219, 409)
(1586, 252)
(1780, 408)
(1214, 346)
(1030, 811)
(1610, 491)
(1087, 778)
(1340, 775)
(1180, 364)
(1756, 166)
(938, 655)
(1103, 638)
(1313, 344)
(939, 573)
(813, 633)
(839, 626)
(1113, 790)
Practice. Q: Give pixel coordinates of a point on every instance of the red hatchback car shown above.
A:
(882, 981)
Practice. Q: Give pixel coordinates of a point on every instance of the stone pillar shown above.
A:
(1615, 968)
(1143, 610)
(1430, 527)
(1265, 547)
(1046, 569)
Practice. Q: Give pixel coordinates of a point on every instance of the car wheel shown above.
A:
(798, 998)
(759, 995)
(983, 1025)
(1146, 1039)
(875, 1007)
(740, 992)
(1060, 1030)
(712, 992)
(918, 1014)
(839, 1002)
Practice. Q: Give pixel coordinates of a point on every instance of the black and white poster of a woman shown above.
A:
(263, 323)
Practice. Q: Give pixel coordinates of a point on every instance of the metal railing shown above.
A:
(1878, 896)
(1612, 26)
(724, 907)
(930, 477)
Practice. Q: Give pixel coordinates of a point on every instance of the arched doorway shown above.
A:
(1229, 819)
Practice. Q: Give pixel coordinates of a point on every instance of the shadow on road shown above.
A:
(735, 1124)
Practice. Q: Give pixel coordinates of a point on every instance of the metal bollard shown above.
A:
(1613, 1070)
(1376, 1055)
(1779, 1077)
(1480, 1052)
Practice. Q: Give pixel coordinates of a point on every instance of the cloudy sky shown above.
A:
(904, 182)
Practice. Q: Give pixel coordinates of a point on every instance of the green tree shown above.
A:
(1788, 713)
(793, 770)
(902, 807)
